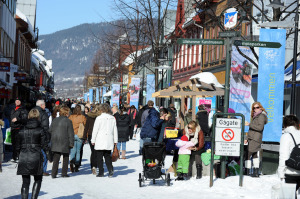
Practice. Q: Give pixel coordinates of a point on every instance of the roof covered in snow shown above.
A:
(24, 18)
(130, 58)
(207, 77)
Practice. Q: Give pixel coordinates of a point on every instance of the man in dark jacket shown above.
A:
(151, 128)
(40, 106)
(172, 110)
(145, 114)
(18, 117)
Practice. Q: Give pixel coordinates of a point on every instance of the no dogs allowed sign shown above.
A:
(228, 137)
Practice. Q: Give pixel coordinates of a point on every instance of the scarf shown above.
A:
(134, 114)
(17, 107)
(257, 113)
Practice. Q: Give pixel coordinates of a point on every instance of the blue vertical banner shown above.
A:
(240, 82)
(85, 97)
(134, 90)
(103, 93)
(91, 91)
(150, 87)
(97, 95)
(271, 82)
(115, 94)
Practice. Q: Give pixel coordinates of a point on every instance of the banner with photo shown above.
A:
(150, 87)
(271, 82)
(210, 106)
(115, 94)
(134, 90)
(91, 91)
(240, 82)
(103, 93)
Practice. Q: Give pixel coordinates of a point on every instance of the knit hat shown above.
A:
(18, 98)
(184, 138)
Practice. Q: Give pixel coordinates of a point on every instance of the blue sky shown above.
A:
(55, 15)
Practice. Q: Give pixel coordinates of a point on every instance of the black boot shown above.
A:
(76, 168)
(255, 173)
(199, 171)
(36, 189)
(24, 193)
(179, 176)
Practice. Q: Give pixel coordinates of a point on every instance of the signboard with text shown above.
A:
(4, 66)
(228, 137)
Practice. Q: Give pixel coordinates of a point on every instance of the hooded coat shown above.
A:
(31, 139)
(152, 125)
(123, 122)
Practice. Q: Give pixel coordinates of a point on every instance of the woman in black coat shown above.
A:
(31, 139)
(132, 112)
(123, 122)
(62, 140)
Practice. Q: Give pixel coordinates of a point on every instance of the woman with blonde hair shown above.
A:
(91, 117)
(31, 140)
(256, 126)
(77, 118)
(104, 137)
(62, 139)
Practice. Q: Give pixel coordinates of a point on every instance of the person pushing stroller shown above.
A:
(184, 157)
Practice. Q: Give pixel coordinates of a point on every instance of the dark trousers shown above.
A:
(56, 157)
(131, 128)
(81, 152)
(26, 180)
(293, 180)
(14, 137)
(107, 157)
(93, 161)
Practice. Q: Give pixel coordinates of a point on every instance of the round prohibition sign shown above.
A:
(227, 134)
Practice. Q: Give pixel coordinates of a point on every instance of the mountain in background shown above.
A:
(72, 50)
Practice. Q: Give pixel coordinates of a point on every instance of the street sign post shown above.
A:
(227, 139)
(201, 41)
(257, 44)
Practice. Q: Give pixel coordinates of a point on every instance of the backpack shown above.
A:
(294, 160)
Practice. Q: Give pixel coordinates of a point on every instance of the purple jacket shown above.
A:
(183, 147)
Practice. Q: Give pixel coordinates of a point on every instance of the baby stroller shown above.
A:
(153, 157)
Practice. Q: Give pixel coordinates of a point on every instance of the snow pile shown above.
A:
(207, 77)
(125, 184)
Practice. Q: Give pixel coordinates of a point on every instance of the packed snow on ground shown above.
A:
(125, 184)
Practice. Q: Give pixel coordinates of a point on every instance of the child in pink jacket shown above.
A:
(184, 157)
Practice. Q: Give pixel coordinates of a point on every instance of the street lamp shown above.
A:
(277, 4)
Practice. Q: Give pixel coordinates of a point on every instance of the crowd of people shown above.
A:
(47, 131)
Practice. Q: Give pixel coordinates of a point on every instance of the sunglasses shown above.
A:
(256, 107)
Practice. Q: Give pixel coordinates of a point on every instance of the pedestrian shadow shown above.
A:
(29, 196)
(122, 170)
(74, 196)
(128, 152)
(132, 156)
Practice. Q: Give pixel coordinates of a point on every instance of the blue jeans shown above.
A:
(45, 161)
(75, 151)
(123, 144)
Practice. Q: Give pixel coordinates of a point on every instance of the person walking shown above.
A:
(31, 140)
(88, 130)
(104, 136)
(202, 118)
(123, 122)
(62, 139)
(77, 118)
(44, 119)
(288, 140)
(18, 117)
(132, 112)
(256, 127)
(145, 114)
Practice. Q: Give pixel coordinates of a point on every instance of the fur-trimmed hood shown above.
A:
(93, 115)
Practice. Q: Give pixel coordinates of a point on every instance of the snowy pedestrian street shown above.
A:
(124, 183)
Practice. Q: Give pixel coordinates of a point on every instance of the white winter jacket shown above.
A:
(105, 132)
(286, 147)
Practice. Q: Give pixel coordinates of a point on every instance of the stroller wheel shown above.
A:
(168, 178)
(140, 180)
(153, 181)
